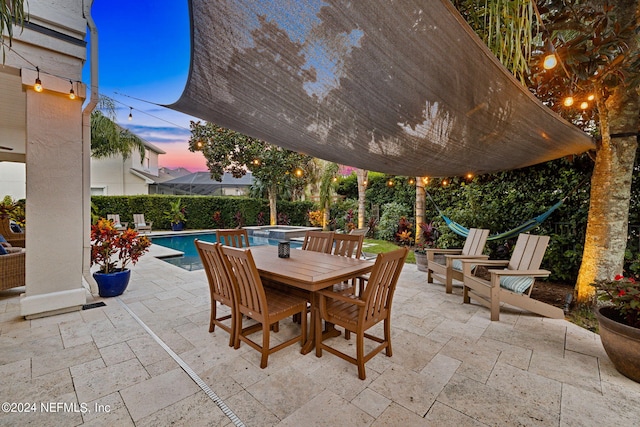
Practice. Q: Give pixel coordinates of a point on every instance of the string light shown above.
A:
(256, 162)
(390, 183)
(298, 172)
(38, 85)
(550, 60)
(425, 179)
(469, 176)
(130, 113)
(445, 183)
(411, 181)
(72, 94)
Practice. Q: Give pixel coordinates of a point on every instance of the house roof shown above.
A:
(398, 88)
(201, 182)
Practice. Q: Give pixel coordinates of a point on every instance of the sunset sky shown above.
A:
(144, 53)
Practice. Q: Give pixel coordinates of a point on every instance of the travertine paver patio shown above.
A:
(451, 366)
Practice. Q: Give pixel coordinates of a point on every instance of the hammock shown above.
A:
(461, 230)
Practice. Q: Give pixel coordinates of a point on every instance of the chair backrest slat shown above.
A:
(237, 237)
(318, 241)
(476, 239)
(115, 218)
(348, 245)
(139, 219)
(250, 296)
(528, 252)
(379, 291)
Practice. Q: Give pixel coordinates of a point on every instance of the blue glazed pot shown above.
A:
(112, 284)
(177, 226)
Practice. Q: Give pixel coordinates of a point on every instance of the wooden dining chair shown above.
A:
(359, 313)
(318, 241)
(264, 305)
(350, 246)
(236, 237)
(220, 287)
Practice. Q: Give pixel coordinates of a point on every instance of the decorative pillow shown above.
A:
(517, 284)
(15, 227)
(3, 251)
(457, 265)
(2, 239)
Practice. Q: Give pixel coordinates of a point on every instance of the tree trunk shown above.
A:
(361, 176)
(272, 190)
(607, 226)
(420, 206)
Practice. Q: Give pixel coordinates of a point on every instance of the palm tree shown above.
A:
(108, 138)
(11, 11)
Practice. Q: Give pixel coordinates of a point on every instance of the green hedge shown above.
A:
(200, 210)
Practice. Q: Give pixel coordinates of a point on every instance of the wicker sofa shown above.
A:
(16, 239)
(12, 270)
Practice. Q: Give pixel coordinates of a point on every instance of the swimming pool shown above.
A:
(191, 260)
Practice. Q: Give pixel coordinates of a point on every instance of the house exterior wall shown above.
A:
(112, 176)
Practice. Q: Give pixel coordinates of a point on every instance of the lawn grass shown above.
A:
(372, 246)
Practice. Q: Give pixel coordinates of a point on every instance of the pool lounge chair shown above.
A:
(140, 224)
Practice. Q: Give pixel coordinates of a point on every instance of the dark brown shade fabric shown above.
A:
(403, 87)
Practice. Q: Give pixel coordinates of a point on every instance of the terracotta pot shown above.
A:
(421, 261)
(620, 341)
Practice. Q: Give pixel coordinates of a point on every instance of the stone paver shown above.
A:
(451, 366)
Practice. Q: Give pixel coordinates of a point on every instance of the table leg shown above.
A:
(329, 328)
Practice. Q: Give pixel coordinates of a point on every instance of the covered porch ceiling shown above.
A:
(403, 87)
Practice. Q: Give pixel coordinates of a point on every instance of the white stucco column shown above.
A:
(54, 204)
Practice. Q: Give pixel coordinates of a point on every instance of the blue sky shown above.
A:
(144, 53)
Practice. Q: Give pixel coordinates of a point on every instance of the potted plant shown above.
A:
(176, 215)
(427, 240)
(113, 251)
(619, 323)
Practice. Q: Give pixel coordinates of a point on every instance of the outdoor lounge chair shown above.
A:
(236, 237)
(140, 224)
(452, 269)
(115, 218)
(358, 314)
(264, 305)
(513, 284)
(12, 270)
(15, 239)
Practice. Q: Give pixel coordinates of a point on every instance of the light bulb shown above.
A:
(568, 101)
(298, 172)
(38, 85)
(591, 97)
(584, 105)
(130, 113)
(550, 61)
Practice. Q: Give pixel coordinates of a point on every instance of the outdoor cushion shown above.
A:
(516, 284)
(3, 251)
(15, 227)
(2, 239)
(457, 265)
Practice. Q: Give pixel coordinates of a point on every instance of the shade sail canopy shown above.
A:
(403, 87)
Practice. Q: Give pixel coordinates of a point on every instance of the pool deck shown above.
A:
(451, 366)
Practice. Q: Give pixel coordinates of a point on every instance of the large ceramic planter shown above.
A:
(177, 226)
(421, 261)
(621, 342)
(112, 284)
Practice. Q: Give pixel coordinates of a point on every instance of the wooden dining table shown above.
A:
(311, 272)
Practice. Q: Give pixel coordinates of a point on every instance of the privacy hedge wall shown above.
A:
(201, 211)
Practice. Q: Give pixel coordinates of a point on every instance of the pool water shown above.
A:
(191, 260)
